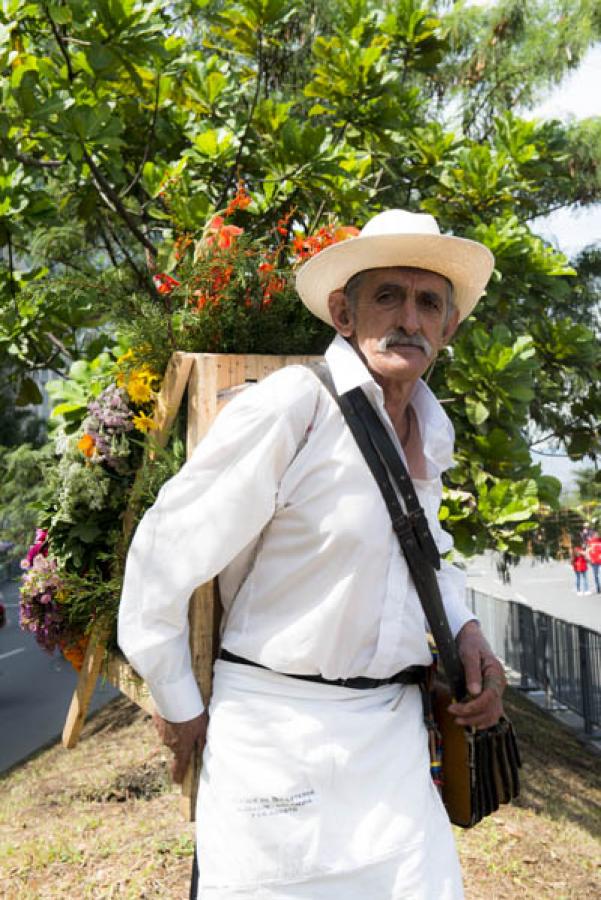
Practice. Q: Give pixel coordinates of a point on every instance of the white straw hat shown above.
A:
(397, 238)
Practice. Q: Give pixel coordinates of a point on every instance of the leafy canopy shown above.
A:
(126, 125)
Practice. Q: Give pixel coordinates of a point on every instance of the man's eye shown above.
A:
(385, 297)
(431, 301)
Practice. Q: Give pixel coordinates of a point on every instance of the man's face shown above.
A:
(398, 322)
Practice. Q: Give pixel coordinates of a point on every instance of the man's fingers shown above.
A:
(181, 738)
(481, 712)
(181, 761)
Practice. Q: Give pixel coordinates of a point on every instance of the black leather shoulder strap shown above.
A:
(407, 527)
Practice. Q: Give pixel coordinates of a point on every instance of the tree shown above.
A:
(126, 125)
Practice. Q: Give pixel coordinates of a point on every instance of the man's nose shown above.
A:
(408, 316)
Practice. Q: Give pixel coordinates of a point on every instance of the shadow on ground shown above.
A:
(560, 776)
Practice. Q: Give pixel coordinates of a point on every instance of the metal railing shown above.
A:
(558, 657)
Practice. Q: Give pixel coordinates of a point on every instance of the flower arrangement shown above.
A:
(97, 456)
(223, 292)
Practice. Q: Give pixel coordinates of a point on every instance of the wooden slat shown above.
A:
(125, 679)
(169, 398)
(86, 683)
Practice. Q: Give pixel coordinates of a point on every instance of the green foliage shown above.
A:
(23, 492)
(125, 126)
(589, 484)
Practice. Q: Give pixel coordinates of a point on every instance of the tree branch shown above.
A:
(146, 153)
(107, 244)
(103, 186)
(142, 277)
(112, 200)
(39, 163)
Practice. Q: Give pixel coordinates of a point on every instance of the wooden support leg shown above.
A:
(204, 617)
(86, 683)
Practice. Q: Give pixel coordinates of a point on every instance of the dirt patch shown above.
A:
(142, 782)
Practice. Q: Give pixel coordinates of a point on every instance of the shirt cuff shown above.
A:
(178, 701)
(457, 618)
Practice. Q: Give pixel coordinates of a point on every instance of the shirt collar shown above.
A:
(438, 436)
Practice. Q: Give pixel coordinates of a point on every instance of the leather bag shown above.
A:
(479, 766)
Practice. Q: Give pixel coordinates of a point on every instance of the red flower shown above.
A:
(305, 247)
(164, 283)
(225, 235)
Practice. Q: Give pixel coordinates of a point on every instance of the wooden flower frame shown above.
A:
(210, 380)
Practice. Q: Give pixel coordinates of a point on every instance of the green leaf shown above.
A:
(29, 393)
(477, 412)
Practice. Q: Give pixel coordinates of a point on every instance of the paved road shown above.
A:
(545, 586)
(35, 690)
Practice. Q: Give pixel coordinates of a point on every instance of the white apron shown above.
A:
(314, 791)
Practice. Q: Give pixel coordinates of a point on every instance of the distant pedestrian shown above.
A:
(594, 557)
(2, 615)
(580, 566)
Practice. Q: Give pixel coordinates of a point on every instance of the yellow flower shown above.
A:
(143, 422)
(138, 386)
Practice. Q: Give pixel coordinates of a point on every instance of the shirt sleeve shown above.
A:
(220, 500)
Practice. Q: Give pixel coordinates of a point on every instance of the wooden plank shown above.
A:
(86, 683)
(204, 619)
(125, 679)
(169, 398)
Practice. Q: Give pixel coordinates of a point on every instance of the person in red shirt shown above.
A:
(594, 556)
(580, 566)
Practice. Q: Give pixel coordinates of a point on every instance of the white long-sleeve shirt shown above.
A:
(278, 501)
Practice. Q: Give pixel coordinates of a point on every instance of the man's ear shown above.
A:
(341, 313)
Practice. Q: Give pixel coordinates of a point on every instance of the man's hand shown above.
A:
(484, 677)
(181, 738)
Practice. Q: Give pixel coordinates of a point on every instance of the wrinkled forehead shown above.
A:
(403, 276)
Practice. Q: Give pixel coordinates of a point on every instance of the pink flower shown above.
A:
(40, 546)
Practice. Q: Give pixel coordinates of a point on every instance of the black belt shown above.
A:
(411, 675)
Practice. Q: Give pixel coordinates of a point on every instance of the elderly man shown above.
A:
(315, 780)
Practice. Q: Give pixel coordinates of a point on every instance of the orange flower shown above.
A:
(305, 247)
(240, 201)
(87, 445)
(227, 236)
(345, 232)
(75, 653)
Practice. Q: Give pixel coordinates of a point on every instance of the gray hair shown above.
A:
(353, 286)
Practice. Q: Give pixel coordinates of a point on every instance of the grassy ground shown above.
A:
(102, 821)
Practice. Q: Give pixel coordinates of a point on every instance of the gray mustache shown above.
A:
(400, 339)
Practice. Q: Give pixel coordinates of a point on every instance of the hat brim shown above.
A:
(467, 264)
